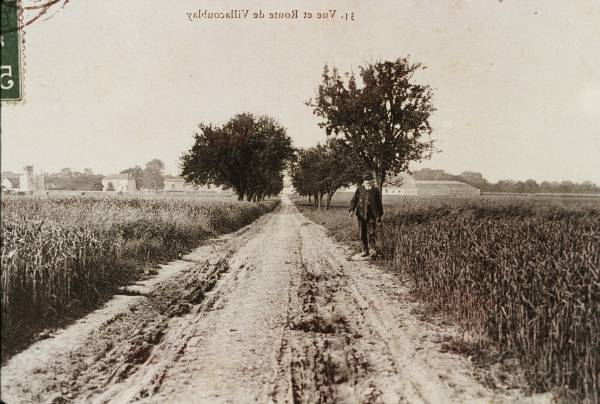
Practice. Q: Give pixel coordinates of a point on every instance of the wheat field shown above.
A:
(67, 253)
(523, 273)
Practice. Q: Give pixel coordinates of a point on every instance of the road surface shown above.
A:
(274, 313)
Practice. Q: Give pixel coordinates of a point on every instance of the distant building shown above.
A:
(119, 183)
(432, 188)
(178, 184)
(29, 182)
(26, 182)
(406, 185)
(10, 182)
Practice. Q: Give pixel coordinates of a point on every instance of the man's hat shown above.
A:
(367, 177)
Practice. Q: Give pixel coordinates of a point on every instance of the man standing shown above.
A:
(367, 205)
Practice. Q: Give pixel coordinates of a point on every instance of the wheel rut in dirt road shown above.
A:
(232, 352)
(321, 359)
(276, 313)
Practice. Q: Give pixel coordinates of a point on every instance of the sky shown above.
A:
(111, 84)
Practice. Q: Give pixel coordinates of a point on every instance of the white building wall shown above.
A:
(31, 183)
(174, 186)
(182, 186)
(120, 185)
(26, 183)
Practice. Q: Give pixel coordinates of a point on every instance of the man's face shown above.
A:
(369, 184)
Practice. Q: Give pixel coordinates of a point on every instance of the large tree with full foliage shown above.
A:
(383, 117)
(152, 176)
(247, 154)
(307, 173)
(320, 171)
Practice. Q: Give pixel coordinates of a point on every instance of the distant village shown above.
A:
(127, 183)
(424, 182)
(27, 182)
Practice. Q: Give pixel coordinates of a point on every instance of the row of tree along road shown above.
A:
(375, 123)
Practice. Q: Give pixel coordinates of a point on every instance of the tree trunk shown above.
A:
(378, 180)
(320, 199)
(329, 196)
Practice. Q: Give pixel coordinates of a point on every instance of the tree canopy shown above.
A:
(383, 117)
(152, 175)
(68, 179)
(321, 170)
(248, 154)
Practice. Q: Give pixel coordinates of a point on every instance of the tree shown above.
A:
(66, 172)
(152, 175)
(247, 154)
(307, 173)
(343, 167)
(67, 179)
(138, 175)
(530, 186)
(384, 119)
(321, 170)
(473, 178)
(427, 174)
(506, 186)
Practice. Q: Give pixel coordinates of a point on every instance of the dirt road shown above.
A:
(273, 313)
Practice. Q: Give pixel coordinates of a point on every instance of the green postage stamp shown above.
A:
(11, 69)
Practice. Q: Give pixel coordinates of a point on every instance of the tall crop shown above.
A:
(526, 274)
(57, 253)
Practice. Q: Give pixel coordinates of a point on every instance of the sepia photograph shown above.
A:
(294, 201)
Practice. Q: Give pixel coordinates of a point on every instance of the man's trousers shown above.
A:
(368, 230)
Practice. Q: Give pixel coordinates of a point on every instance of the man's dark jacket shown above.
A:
(364, 199)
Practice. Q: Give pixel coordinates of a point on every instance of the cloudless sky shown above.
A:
(112, 83)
